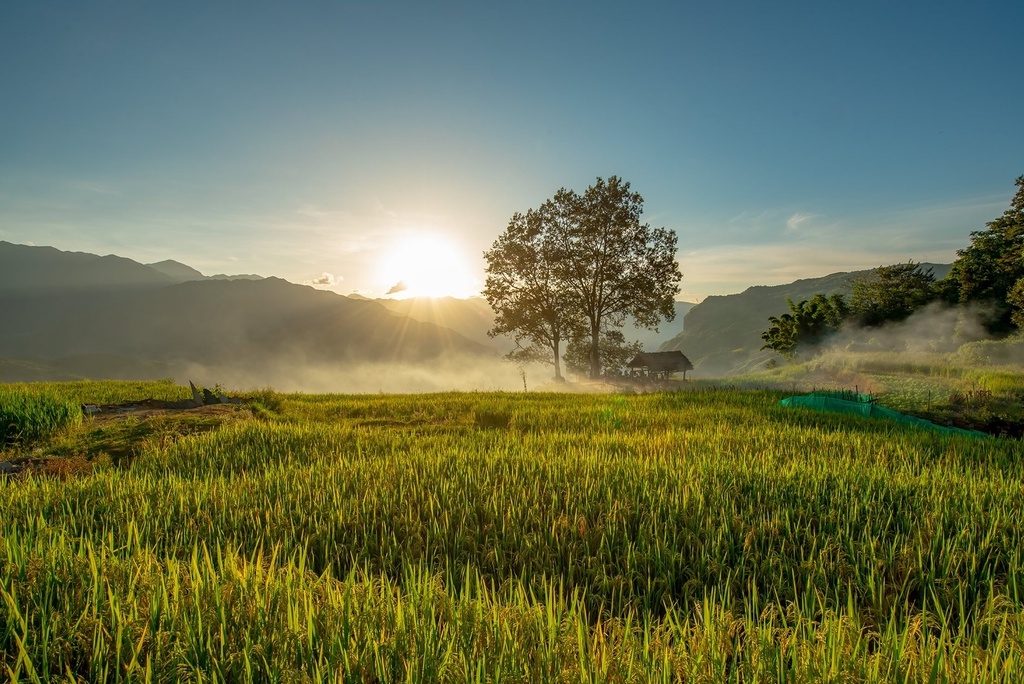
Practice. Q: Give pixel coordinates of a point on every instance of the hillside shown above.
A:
(470, 317)
(652, 339)
(32, 269)
(80, 315)
(238, 324)
(722, 334)
(77, 315)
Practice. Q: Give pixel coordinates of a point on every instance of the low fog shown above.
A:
(933, 328)
(446, 374)
(958, 333)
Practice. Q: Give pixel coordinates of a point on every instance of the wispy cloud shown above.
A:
(794, 222)
(752, 217)
(99, 188)
(316, 212)
(325, 280)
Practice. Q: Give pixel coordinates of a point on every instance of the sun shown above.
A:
(426, 266)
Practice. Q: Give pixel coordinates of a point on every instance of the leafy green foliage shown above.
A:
(891, 293)
(611, 264)
(523, 288)
(1015, 300)
(990, 269)
(807, 324)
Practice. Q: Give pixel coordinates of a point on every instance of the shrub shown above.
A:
(264, 403)
(492, 415)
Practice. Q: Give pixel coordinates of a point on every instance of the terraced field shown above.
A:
(702, 536)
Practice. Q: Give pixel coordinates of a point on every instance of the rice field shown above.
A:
(487, 537)
(28, 416)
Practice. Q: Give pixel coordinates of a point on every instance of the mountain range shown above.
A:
(722, 334)
(65, 315)
(183, 272)
(76, 314)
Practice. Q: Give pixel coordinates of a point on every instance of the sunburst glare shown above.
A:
(426, 266)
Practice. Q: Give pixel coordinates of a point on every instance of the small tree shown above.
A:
(807, 324)
(892, 293)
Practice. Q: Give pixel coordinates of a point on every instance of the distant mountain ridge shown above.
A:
(36, 269)
(31, 267)
(113, 317)
(183, 273)
(722, 334)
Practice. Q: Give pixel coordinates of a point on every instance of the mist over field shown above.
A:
(441, 375)
(936, 327)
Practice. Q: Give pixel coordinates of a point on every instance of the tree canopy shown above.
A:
(807, 324)
(597, 264)
(991, 269)
(891, 293)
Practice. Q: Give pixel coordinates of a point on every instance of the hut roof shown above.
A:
(661, 362)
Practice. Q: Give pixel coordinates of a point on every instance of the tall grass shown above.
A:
(697, 537)
(219, 615)
(105, 391)
(27, 416)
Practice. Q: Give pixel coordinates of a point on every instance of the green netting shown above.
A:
(864, 405)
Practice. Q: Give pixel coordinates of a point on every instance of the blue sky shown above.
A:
(779, 140)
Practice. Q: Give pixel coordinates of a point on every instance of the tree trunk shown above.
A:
(556, 343)
(595, 351)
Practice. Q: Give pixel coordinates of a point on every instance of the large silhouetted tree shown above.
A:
(522, 287)
(611, 264)
(577, 266)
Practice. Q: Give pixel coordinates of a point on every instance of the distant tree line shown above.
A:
(989, 272)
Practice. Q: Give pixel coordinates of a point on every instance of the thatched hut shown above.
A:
(659, 364)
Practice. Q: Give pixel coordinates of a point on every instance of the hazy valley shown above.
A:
(76, 315)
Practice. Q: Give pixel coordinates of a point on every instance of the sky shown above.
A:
(359, 145)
